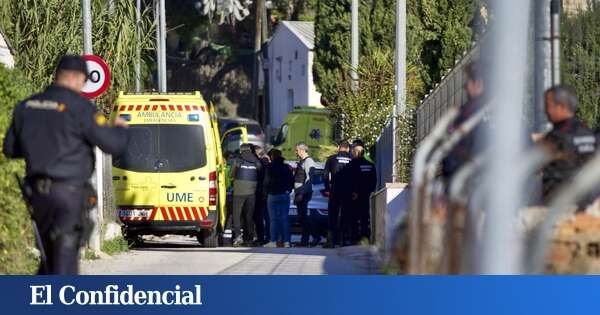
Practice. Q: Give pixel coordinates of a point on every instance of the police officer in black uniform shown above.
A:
(245, 171)
(333, 167)
(56, 131)
(362, 182)
(469, 146)
(571, 142)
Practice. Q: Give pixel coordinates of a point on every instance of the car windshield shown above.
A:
(254, 129)
(163, 148)
(281, 136)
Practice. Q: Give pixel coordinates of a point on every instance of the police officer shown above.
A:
(571, 142)
(245, 171)
(261, 214)
(55, 132)
(303, 191)
(362, 181)
(469, 146)
(333, 167)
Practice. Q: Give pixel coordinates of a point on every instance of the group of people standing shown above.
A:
(569, 142)
(264, 186)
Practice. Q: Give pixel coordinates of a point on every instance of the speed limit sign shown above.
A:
(98, 77)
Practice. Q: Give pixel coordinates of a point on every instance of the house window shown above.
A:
(303, 70)
(290, 71)
(296, 55)
(290, 100)
(278, 70)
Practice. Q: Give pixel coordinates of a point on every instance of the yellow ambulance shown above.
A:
(171, 179)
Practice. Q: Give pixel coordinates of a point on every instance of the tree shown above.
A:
(16, 236)
(444, 32)
(437, 32)
(580, 66)
(41, 34)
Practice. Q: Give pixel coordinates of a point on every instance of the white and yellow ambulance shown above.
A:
(171, 179)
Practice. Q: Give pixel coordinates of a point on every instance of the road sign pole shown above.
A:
(94, 243)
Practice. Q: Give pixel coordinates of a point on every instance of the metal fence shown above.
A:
(384, 160)
(448, 93)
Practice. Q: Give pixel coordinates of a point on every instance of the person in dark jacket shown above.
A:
(278, 183)
(469, 146)
(361, 182)
(245, 171)
(333, 167)
(303, 191)
(261, 213)
(55, 132)
(571, 142)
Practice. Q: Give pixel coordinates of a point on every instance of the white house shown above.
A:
(290, 70)
(6, 53)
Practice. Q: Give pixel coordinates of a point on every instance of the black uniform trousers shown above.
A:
(333, 217)
(243, 208)
(262, 220)
(306, 222)
(359, 219)
(58, 214)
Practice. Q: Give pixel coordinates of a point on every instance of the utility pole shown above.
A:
(163, 40)
(97, 212)
(555, 38)
(138, 17)
(161, 49)
(258, 15)
(543, 62)
(400, 92)
(355, 38)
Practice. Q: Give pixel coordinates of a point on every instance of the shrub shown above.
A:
(16, 236)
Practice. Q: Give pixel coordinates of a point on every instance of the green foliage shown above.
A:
(441, 33)
(364, 114)
(437, 32)
(41, 34)
(295, 10)
(16, 236)
(115, 246)
(581, 66)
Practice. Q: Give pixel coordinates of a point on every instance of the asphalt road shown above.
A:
(182, 255)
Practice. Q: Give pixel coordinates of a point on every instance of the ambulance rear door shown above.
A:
(186, 161)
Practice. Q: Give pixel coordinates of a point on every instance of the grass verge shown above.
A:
(115, 246)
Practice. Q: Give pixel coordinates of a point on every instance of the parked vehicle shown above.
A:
(312, 126)
(171, 179)
(318, 204)
(233, 137)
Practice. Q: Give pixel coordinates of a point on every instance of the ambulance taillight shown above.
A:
(212, 189)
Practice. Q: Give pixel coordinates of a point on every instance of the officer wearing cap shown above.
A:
(55, 132)
(332, 172)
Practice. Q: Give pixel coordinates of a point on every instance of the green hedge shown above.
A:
(16, 238)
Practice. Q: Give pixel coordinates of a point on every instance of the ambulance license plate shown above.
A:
(134, 213)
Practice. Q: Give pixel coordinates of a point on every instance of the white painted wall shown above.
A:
(290, 73)
(6, 57)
